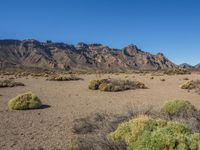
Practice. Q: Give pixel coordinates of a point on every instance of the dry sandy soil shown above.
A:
(50, 128)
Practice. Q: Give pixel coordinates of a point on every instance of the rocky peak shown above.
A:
(32, 53)
(81, 45)
(131, 50)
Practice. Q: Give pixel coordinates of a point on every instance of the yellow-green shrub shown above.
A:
(25, 101)
(145, 133)
(177, 106)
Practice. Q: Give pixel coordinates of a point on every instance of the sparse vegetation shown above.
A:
(177, 106)
(9, 83)
(63, 78)
(177, 72)
(113, 85)
(25, 101)
(151, 130)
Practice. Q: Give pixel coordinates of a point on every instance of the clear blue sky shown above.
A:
(168, 26)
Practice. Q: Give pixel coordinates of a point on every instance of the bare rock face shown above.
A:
(31, 53)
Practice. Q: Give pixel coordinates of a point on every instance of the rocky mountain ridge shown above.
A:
(32, 53)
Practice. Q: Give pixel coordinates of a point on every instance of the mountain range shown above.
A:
(82, 56)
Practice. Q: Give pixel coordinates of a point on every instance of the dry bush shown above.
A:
(162, 79)
(151, 78)
(10, 83)
(92, 131)
(63, 78)
(113, 85)
(190, 85)
(186, 78)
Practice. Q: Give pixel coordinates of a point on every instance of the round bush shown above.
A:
(25, 101)
(145, 133)
(178, 106)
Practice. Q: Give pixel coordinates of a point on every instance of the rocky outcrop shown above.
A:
(31, 53)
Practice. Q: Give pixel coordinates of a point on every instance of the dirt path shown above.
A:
(49, 128)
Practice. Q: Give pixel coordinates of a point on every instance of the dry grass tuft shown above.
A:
(186, 78)
(151, 78)
(162, 79)
(9, 83)
(63, 78)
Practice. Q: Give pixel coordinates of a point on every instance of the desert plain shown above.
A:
(50, 127)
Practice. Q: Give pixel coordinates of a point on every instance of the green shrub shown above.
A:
(25, 101)
(178, 106)
(145, 133)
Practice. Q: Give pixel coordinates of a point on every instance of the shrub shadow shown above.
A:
(44, 106)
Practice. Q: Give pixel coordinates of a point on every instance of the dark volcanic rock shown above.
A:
(32, 53)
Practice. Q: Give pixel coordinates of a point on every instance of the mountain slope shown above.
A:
(31, 53)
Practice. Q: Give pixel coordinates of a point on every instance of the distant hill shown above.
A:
(186, 66)
(32, 53)
(197, 66)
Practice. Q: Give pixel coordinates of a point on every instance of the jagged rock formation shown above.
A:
(31, 53)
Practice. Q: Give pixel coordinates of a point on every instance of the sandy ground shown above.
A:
(50, 127)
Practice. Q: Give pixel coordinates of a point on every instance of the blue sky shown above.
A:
(168, 26)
